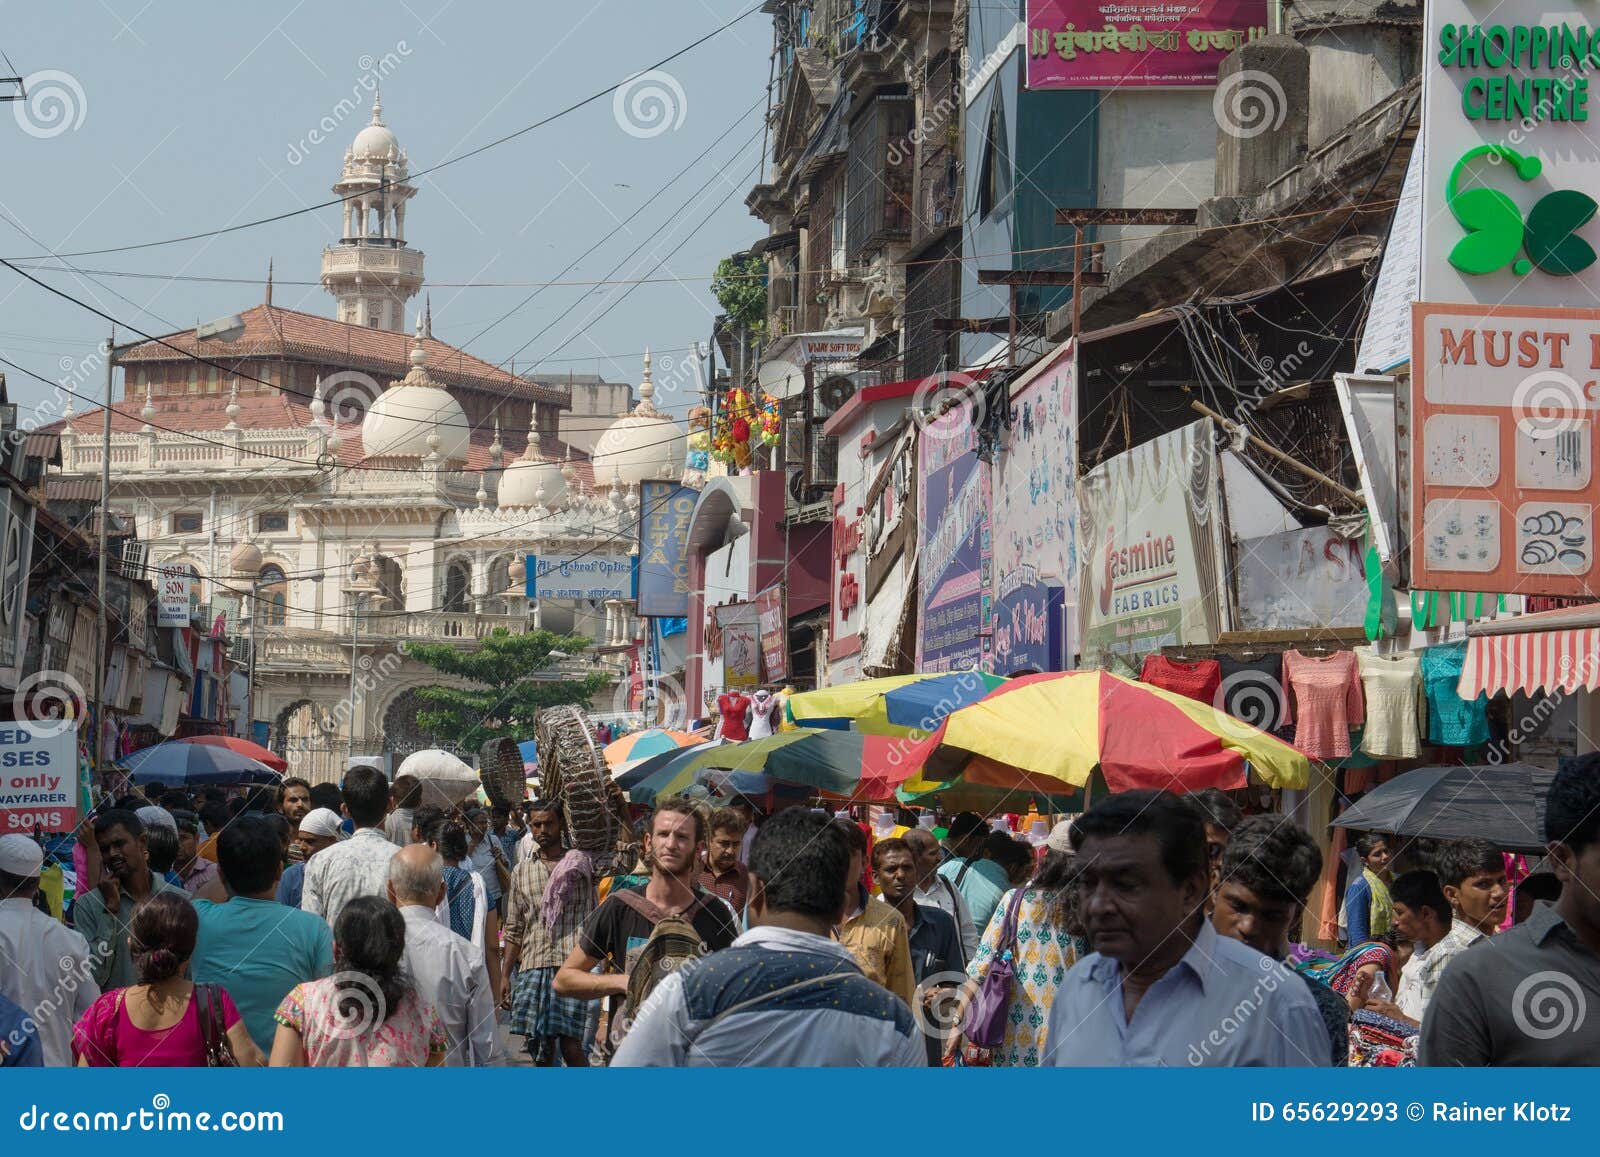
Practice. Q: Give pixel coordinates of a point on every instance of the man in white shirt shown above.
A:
(44, 965)
(1422, 914)
(937, 892)
(785, 993)
(360, 865)
(450, 974)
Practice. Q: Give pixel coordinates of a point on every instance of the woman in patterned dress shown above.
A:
(1048, 944)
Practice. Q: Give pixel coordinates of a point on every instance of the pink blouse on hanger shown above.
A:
(1323, 698)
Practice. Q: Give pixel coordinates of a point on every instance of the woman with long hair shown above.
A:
(1046, 943)
(165, 1019)
(367, 1014)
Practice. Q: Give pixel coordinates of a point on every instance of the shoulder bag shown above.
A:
(208, 1005)
(985, 1022)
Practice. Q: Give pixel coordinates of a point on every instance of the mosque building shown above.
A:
(335, 487)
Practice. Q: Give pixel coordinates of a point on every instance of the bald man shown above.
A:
(937, 892)
(448, 971)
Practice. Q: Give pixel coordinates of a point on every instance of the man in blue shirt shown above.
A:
(1161, 987)
(980, 880)
(19, 1038)
(253, 946)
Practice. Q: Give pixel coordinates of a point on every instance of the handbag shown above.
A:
(219, 1053)
(985, 1022)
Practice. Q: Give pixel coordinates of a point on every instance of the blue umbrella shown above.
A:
(194, 765)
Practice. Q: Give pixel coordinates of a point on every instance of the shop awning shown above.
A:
(1547, 652)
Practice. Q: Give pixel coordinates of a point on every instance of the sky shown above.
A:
(152, 119)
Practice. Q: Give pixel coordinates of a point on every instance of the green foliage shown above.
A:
(508, 694)
(740, 287)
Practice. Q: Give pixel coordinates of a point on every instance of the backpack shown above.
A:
(673, 940)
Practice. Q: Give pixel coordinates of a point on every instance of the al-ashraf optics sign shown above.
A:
(1511, 153)
(580, 576)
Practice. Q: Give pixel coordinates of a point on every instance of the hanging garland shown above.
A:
(742, 425)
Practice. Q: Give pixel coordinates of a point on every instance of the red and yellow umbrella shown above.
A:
(1051, 732)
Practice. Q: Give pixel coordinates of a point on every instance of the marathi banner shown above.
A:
(1148, 43)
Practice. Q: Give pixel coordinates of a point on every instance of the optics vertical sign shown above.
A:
(664, 512)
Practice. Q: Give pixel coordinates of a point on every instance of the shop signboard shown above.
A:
(774, 626)
(1511, 153)
(1307, 580)
(16, 548)
(954, 575)
(580, 576)
(664, 512)
(173, 584)
(38, 776)
(1029, 625)
(1146, 43)
(1148, 524)
(1036, 509)
(740, 630)
(1504, 409)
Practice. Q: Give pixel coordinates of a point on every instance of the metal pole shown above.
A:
(355, 636)
(104, 635)
(250, 675)
(1077, 280)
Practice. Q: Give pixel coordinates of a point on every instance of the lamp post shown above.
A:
(363, 589)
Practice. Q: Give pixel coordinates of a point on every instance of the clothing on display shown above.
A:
(1198, 680)
(1393, 686)
(1323, 702)
(761, 720)
(1252, 690)
(732, 706)
(1452, 720)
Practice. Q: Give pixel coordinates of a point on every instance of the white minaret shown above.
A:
(371, 272)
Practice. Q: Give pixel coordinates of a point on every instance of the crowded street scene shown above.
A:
(1073, 547)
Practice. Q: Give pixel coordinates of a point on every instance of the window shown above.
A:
(878, 174)
(187, 522)
(272, 522)
(994, 179)
(272, 595)
(457, 588)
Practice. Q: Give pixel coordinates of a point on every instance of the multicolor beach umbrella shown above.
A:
(894, 705)
(642, 744)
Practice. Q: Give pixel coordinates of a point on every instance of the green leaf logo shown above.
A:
(1551, 234)
(1496, 234)
(1494, 231)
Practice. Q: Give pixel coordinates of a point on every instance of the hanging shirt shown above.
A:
(1393, 687)
(1252, 690)
(1452, 720)
(1323, 702)
(1199, 680)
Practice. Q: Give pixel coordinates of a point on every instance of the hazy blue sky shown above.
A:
(179, 117)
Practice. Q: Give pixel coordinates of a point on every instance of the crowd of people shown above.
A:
(356, 925)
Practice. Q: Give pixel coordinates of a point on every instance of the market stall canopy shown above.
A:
(1550, 652)
(241, 747)
(892, 705)
(845, 764)
(632, 775)
(180, 764)
(1501, 803)
(446, 779)
(1051, 732)
(641, 744)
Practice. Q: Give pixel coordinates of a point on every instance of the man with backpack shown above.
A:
(787, 993)
(643, 935)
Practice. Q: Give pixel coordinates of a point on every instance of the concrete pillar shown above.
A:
(1262, 105)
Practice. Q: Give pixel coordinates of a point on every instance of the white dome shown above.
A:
(523, 479)
(642, 445)
(376, 143)
(416, 417)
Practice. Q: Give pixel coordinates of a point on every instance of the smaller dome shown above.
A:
(376, 142)
(640, 445)
(416, 417)
(532, 481)
(245, 561)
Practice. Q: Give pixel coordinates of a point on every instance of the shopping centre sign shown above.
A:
(1511, 153)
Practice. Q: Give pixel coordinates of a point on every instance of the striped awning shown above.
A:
(1553, 651)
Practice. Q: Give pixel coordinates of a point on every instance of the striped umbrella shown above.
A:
(1051, 732)
(845, 764)
(642, 744)
(893, 705)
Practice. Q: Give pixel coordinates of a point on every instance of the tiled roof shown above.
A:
(273, 332)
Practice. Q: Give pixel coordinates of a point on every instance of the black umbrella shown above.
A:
(1501, 803)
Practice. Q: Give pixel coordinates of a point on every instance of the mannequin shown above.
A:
(762, 718)
(732, 707)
